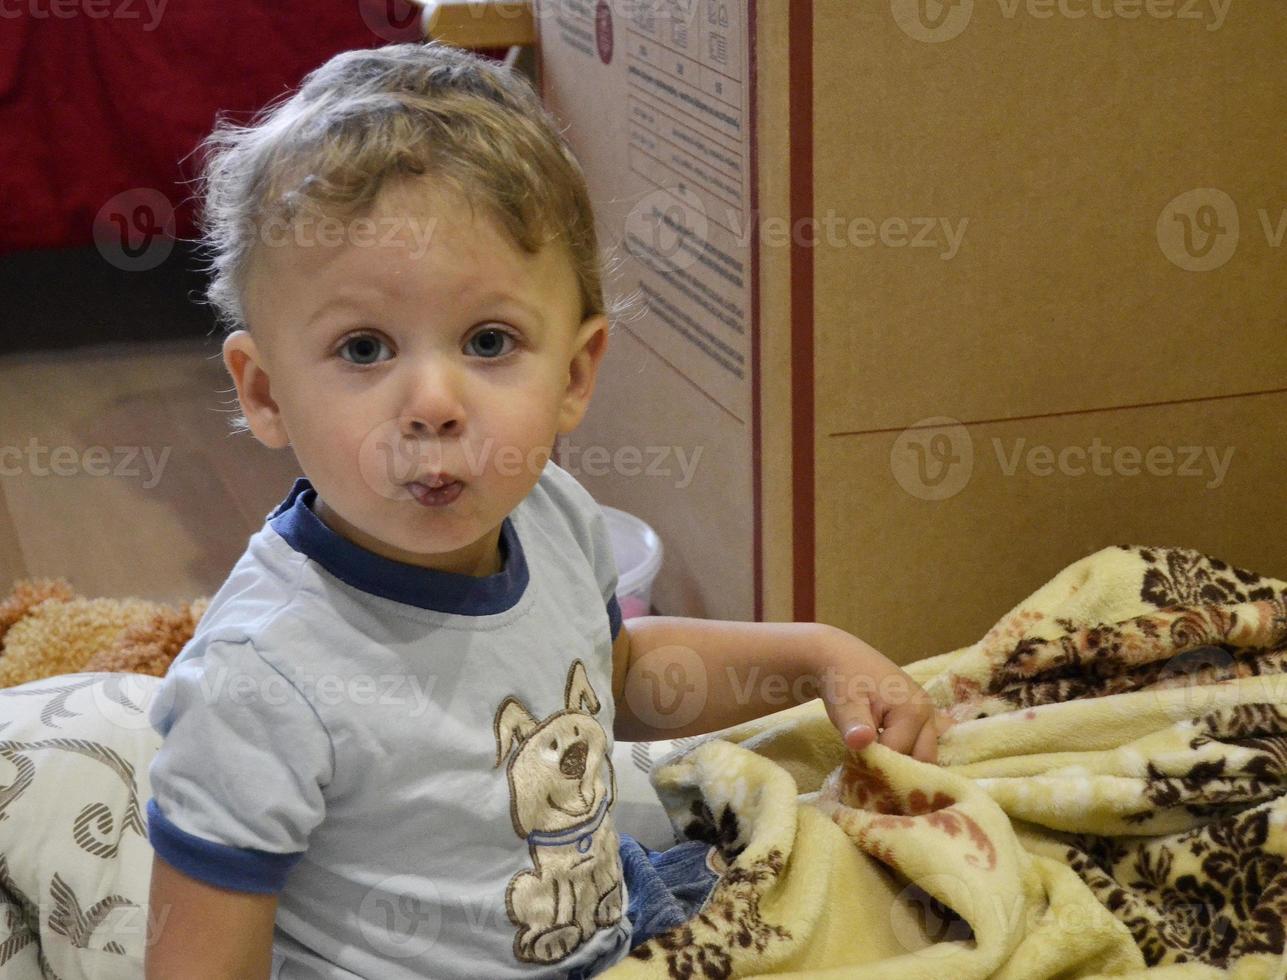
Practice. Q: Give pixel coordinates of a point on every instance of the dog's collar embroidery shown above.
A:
(578, 834)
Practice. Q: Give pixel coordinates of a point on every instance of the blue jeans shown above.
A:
(666, 888)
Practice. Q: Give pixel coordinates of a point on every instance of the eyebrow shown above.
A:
(497, 295)
(330, 304)
(494, 296)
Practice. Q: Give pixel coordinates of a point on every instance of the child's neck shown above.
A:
(494, 563)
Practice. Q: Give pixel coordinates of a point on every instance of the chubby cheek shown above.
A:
(518, 443)
(332, 446)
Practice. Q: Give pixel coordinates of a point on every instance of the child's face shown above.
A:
(390, 356)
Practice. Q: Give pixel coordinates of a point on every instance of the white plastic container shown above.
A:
(638, 553)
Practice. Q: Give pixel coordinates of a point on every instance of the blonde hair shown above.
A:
(370, 116)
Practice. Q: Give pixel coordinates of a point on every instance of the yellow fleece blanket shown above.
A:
(1110, 803)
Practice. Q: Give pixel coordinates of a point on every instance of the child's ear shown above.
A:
(244, 362)
(587, 353)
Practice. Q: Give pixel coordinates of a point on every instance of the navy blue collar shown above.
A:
(425, 588)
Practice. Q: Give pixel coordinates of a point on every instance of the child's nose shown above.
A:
(432, 404)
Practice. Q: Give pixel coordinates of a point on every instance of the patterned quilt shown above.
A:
(1110, 803)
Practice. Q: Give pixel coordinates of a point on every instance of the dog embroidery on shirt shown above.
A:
(561, 788)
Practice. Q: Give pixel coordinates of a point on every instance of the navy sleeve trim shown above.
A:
(614, 616)
(242, 869)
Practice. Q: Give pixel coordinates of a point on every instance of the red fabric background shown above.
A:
(94, 106)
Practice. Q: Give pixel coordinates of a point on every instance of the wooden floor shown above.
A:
(119, 472)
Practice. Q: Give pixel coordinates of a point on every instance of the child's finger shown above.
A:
(855, 723)
(858, 737)
(902, 728)
(926, 749)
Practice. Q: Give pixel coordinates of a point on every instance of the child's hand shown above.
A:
(869, 698)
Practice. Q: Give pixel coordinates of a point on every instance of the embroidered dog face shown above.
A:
(560, 772)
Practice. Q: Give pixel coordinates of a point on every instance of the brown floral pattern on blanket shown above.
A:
(1214, 622)
(1177, 576)
(1232, 782)
(1210, 894)
(724, 833)
(1217, 891)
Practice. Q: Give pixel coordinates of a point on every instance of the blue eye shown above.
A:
(364, 346)
(493, 344)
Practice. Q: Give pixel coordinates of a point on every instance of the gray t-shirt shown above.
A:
(418, 762)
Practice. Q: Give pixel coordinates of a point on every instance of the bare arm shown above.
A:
(675, 676)
(198, 931)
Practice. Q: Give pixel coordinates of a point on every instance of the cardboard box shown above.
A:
(941, 297)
